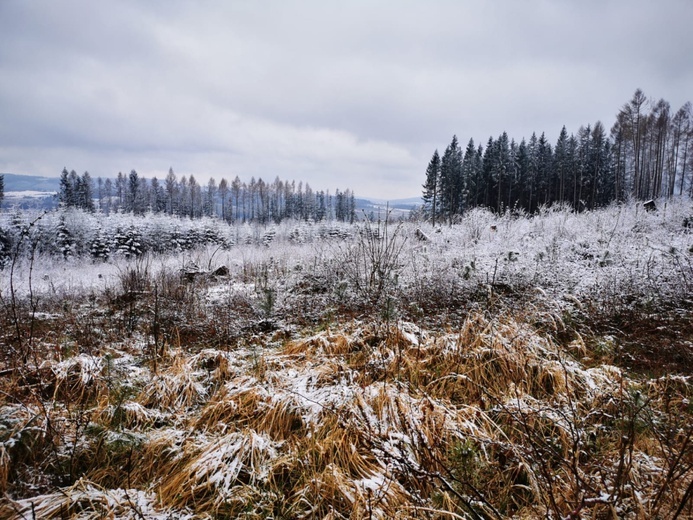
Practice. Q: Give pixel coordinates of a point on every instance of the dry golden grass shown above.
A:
(84, 501)
(494, 420)
(175, 388)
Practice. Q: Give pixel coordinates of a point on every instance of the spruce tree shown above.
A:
(66, 191)
(451, 180)
(573, 167)
(129, 242)
(584, 167)
(544, 167)
(2, 189)
(65, 241)
(513, 175)
(84, 196)
(133, 191)
(499, 171)
(157, 196)
(487, 173)
(532, 172)
(98, 248)
(522, 172)
(598, 165)
(73, 181)
(561, 166)
(430, 194)
(470, 176)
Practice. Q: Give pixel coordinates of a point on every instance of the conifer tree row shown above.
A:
(256, 201)
(648, 154)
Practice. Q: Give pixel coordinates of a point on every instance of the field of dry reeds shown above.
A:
(502, 367)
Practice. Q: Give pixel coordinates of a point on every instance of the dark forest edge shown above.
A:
(648, 155)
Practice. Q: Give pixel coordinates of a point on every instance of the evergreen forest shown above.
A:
(647, 154)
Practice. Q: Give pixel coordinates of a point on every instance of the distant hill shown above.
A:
(29, 192)
(409, 203)
(377, 208)
(14, 182)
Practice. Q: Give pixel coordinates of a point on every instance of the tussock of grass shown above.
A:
(128, 414)
(176, 388)
(215, 474)
(86, 501)
(78, 378)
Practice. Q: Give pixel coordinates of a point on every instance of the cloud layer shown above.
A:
(341, 96)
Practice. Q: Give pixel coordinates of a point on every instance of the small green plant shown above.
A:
(267, 293)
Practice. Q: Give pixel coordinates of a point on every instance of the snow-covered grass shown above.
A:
(503, 366)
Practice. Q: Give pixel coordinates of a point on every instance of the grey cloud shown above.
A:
(344, 94)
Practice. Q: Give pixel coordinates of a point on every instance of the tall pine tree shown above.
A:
(431, 188)
(471, 166)
(451, 180)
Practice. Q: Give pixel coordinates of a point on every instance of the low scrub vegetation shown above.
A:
(504, 366)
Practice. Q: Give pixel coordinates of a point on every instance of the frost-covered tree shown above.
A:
(209, 208)
(171, 192)
(195, 197)
(134, 196)
(223, 198)
(85, 192)
(183, 204)
(100, 193)
(99, 248)
(66, 195)
(344, 207)
(5, 247)
(108, 196)
(128, 242)
(121, 191)
(236, 194)
(321, 206)
(157, 196)
(65, 240)
(76, 191)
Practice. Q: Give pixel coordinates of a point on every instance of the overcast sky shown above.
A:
(339, 94)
